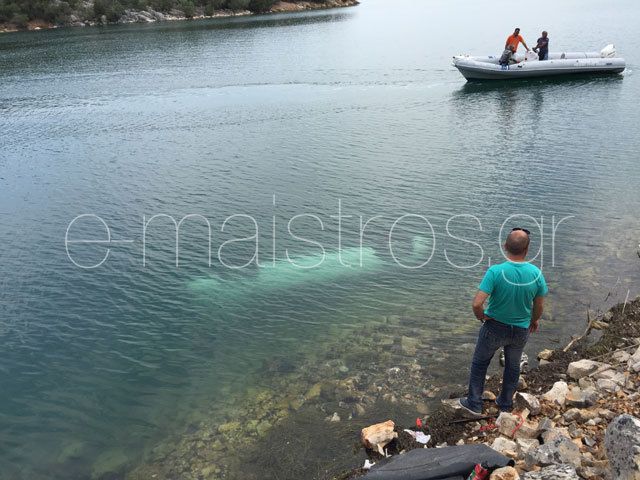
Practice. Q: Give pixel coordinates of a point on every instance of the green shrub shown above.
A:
(20, 20)
(162, 5)
(114, 12)
(188, 8)
(52, 14)
(238, 4)
(261, 5)
(7, 12)
(99, 8)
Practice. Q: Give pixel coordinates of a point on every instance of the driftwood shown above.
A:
(633, 345)
(625, 301)
(590, 325)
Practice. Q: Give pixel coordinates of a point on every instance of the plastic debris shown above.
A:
(367, 465)
(419, 437)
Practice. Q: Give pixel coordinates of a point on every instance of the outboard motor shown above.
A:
(608, 52)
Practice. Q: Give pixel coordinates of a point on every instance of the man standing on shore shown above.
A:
(515, 290)
(514, 40)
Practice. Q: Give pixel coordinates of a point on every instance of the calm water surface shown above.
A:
(353, 112)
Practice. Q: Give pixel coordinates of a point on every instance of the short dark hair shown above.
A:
(517, 243)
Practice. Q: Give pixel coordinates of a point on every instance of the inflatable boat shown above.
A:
(528, 66)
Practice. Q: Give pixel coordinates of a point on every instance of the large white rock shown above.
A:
(377, 436)
(557, 394)
(507, 423)
(582, 368)
(622, 444)
(502, 444)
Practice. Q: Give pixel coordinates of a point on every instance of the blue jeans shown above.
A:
(492, 336)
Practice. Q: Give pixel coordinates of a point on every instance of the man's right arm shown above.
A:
(536, 313)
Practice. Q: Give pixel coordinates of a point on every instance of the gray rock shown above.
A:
(634, 361)
(555, 432)
(545, 424)
(582, 368)
(613, 375)
(523, 445)
(553, 472)
(559, 450)
(574, 431)
(580, 398)
(586, 382)
(608, 386)
(530, 402)
(571, 415)
(622, 444)
(621, 357)
(103, 19)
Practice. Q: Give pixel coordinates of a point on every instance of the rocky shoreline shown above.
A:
(149, 15)
(576, 415)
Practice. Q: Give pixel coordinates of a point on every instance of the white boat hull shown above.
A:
(488, 68)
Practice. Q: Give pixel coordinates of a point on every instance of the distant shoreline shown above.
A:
(148, 15)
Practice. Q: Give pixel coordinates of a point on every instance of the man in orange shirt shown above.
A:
(514, 40)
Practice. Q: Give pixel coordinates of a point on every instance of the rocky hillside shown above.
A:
(37, 14)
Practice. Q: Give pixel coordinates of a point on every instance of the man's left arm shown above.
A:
(524, 43)
(478, 305)
(536, 313)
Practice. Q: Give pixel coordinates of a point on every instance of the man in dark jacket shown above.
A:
(542, 47)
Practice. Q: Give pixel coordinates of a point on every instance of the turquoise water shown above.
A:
(287, 122)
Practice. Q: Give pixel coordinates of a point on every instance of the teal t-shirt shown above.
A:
(512, 286)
